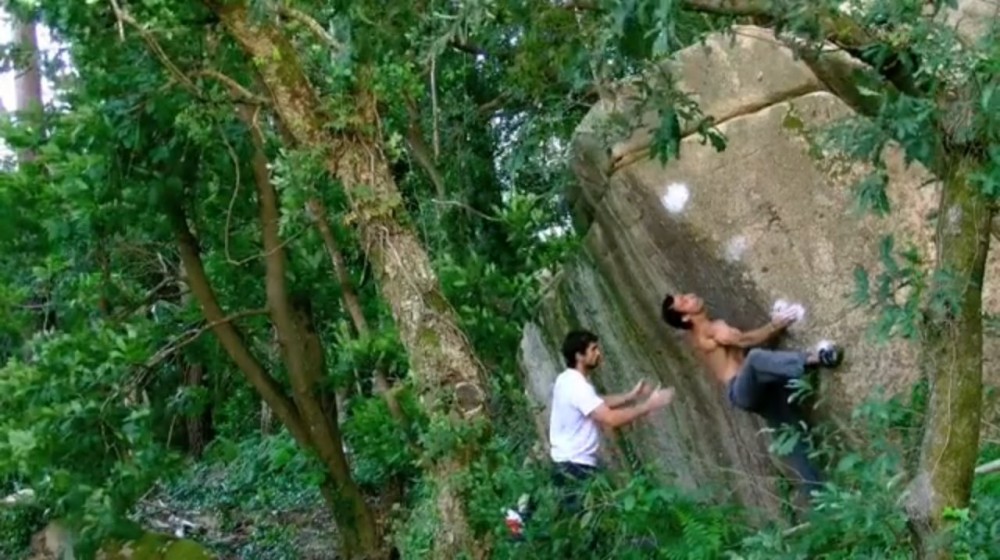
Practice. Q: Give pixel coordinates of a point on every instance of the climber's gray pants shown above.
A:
(761, 387)
(762, 371)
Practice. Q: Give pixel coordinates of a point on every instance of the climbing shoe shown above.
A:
(830, 355)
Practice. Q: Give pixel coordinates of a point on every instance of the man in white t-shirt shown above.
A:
(578, 411)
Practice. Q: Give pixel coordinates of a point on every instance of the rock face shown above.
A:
(973, 19)
(764, 219)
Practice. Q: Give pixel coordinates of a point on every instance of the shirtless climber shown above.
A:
(577, 410)
(755, 381)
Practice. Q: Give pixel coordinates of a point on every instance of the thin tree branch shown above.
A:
(230, 339)
(237, 90)
(313, 25)
(465, 207)
(146, 298)
(582, 6)
(176, 75)
(317, 211)
(987, 468)
(194, 334)
(420, 151)
(467, 48)
(434, 110)
(351, 301)
(123, 15)
(116, 8)
(301, 346)
(492, 105)
(232, 201)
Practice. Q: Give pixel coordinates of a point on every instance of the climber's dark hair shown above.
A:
(673, 317)
(576, 342)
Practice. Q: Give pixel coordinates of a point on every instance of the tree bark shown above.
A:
(446, 369)
(230, 339)
(350, 297)
(302, 353)
(352, 303)
(393, 491)
(355, 520)
(420, 151)
(198, 426)
(28, 82)
(953, 356)
(266, 419)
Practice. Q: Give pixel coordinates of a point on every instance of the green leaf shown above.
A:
(862, 286)
(628, 503)
(22, 442)
(872, 195)
(987, 97)
(886, 248)
(666, 141)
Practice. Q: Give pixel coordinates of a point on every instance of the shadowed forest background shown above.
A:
(276, 277)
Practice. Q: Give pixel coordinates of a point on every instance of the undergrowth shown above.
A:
(254, 498)
(17, 526)
(264, 491)
(857, 513)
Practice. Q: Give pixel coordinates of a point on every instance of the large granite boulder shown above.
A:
(766, 218)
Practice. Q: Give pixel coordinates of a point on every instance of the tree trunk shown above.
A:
(198, 426)
(392, 492)
(267, 424)
(353, 304)
(953, 352)
(355, 521)
(347, 294)
(28, 82)
(449, 376)
(305, 416)
(266, 419)
(230, 339)
(28, 107)
(302, 353)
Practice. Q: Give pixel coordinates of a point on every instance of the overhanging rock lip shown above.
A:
(594, 151)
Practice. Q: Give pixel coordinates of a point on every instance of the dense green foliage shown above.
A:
(111, 381)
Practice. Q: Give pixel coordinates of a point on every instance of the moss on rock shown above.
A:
(156, 546)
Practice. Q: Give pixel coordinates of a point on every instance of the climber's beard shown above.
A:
(590, 363)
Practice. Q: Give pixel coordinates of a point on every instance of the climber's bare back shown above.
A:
(722, 361)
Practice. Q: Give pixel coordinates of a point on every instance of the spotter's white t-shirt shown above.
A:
(573, 436)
